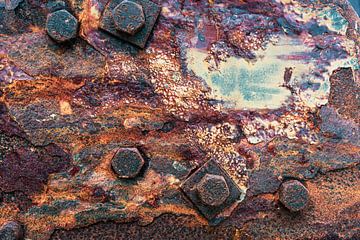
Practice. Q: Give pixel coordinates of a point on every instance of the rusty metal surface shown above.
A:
(210, 120)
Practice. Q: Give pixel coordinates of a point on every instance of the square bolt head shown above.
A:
(127, 162)
(211, 190)
(112, 24)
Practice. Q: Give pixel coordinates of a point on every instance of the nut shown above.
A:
(294, 195)
(61, 25)
(128, 17)
(213, 190)
(151, 13)
(218, 195)
(11, 231)
(127, 162)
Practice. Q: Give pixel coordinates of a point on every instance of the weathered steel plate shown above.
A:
(103, 139)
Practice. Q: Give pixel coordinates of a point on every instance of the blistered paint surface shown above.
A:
(241, 84)
(259, 84)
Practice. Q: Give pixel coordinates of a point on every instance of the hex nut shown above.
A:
(11, 231)
(197, 181)
(151, 13)
(128, 17)
(213, 190)
(127, 162)
(294, 195)
(61, 25)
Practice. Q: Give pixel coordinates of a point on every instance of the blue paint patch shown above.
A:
(338, 22)
(250, 84)
(201, 37)
(354, 63)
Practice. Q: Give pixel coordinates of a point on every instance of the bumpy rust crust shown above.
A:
(267, 90)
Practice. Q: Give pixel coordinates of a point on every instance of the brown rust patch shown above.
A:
(345, 94)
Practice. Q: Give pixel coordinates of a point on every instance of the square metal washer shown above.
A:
(189, 188)
(151, 11)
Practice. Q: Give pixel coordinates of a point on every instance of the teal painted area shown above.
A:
(241, 84)
(338, 22)
(354, 63)
(251, 84)
(201, 37)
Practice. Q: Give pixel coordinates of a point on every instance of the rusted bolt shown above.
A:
(11, 231)
(294, 195)
(213, 190)
(61, 25)
(128, 17)
(127, 162)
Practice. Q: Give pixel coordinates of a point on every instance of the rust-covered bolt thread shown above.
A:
(213, 190)
(294, 195)
(61, 25)
(11, 231)
(128, 17)
(127, 162)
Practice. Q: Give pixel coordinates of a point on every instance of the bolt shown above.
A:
(128, 17)
(61, 25)
(294, 195)
(213, 190)
(127, 162)
(11, 231)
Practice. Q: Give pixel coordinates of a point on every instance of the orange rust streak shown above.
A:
(8, 212)
(27, 92)
(89, 17)
(169, 208)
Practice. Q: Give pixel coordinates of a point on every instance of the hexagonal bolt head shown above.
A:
(11, 231)
(61, 25)
(213, 190)
(127, 162)
(128, 17)
(294, 195)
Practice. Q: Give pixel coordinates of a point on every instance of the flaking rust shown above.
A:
(146, 119)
